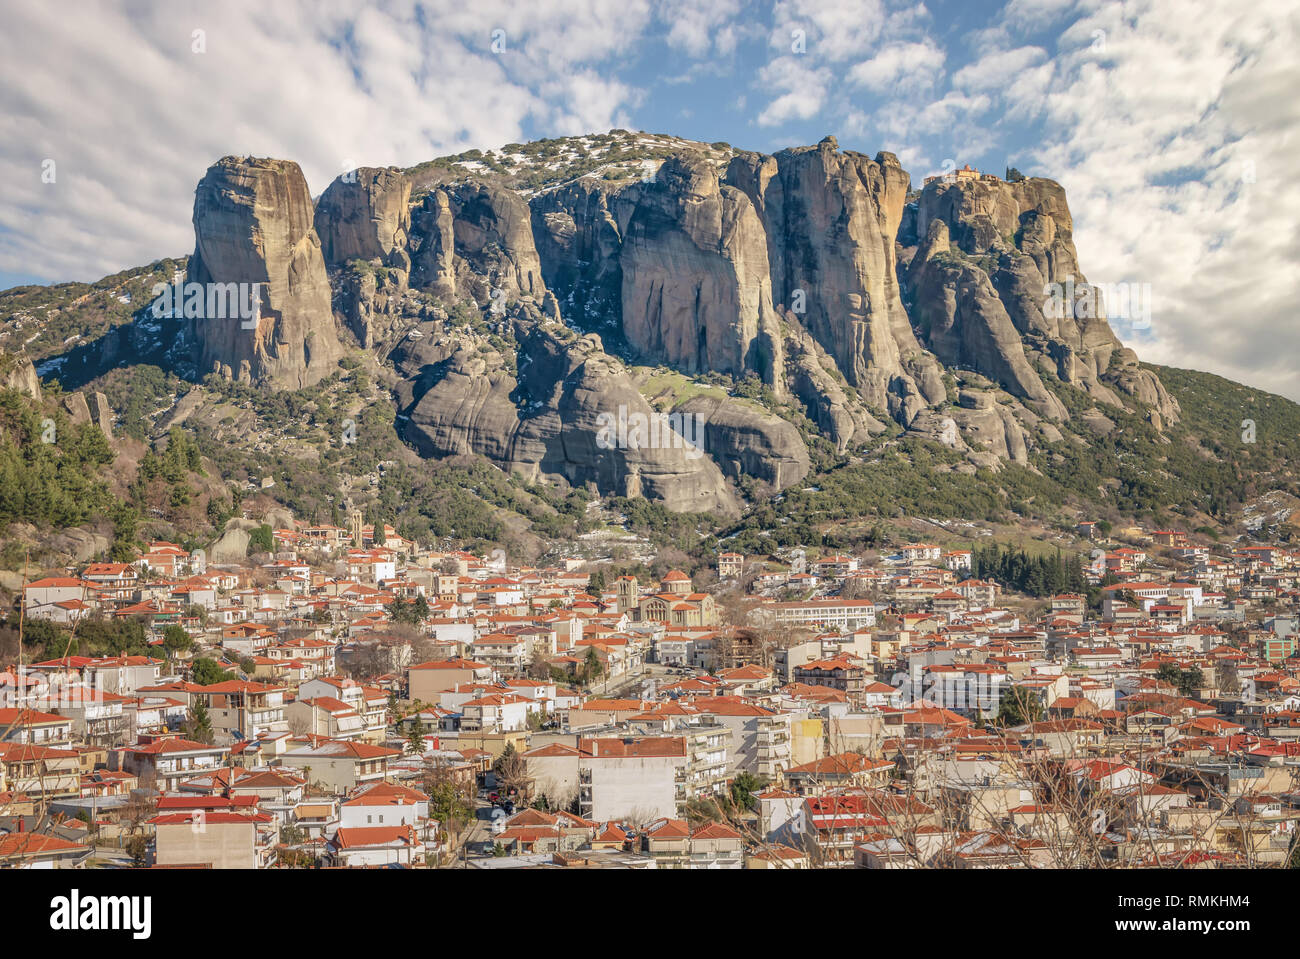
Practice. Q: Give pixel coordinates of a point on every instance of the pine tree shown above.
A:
(415, 737)
(591, 665)
(199, 726)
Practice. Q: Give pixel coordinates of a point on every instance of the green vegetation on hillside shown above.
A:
(1035, 575)
(464, 498)
(1215, 409)
(60, 312)
(44, 640)
(50, 470)
(1199, 464)
(911, 477)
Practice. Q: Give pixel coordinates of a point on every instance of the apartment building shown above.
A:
(166, 762)
(244, 710)
(637, 779)
(845, 615)
(846, 674)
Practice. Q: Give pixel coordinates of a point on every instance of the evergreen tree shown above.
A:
(176, 640)
(206, 672)
(591, 665)
(199, 725)
(1019, 706)
(415, 736)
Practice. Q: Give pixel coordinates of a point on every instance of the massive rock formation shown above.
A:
(474, 240)
(365, 215)
(556, 416)
(461, 405)
(831, 219)
(992, 280)
(695, 271)
(253, 225)
(696, 291)
(809, 268)
(507, 320)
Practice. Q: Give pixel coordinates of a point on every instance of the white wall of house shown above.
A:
(382, 814)
(639, 787)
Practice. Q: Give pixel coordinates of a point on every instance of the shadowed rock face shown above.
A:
(746, 442)
(552, 418)
(966, 325)
(466, 408)
(433, 246)
(474, 240)
(364, 215)
(585, 386)
(696, 293)
(578, 229)
(493, 236)
(253, 224)
(837, 410)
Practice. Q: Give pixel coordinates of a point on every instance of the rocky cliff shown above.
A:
(696, 291)
(253, 224)
(788, 297)
(992, 282)
(832, 218)
(365, 215)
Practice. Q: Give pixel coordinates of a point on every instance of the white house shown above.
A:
(384, 804)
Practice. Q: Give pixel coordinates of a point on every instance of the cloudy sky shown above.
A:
(1172, 123)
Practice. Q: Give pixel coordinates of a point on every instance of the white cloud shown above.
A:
(900, 68)
(877, 45)
(996, 70)
(945, 113)
(699, 26)
(132, 116)
(1155, 134)
(805, 86)
(1034, 14)
(835, 30)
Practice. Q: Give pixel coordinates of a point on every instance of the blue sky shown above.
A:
(1171, 123)
(725, 96)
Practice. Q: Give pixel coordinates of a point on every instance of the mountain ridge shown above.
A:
(810, 306)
